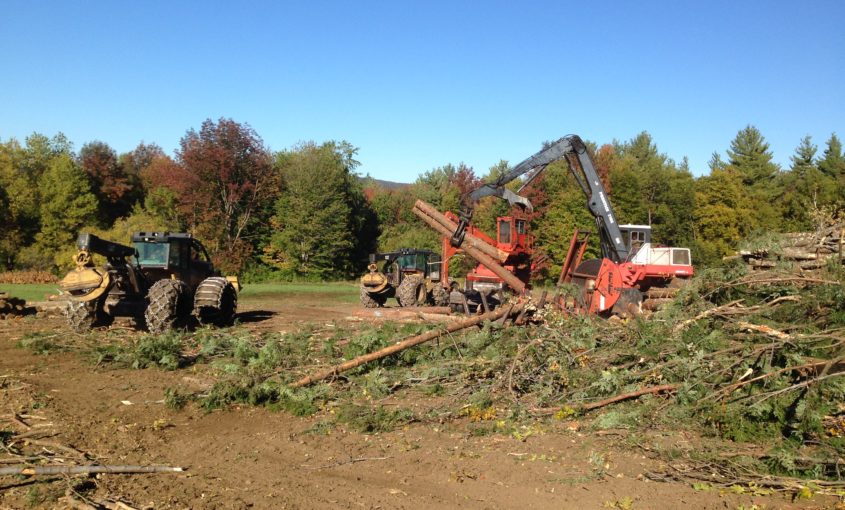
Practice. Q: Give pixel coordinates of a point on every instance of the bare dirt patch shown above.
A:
(251, 457)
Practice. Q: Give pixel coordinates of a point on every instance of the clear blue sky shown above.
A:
(417, 85)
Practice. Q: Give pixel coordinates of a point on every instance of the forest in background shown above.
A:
(304, 213)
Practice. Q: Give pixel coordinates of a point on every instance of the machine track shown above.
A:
(215, 301)
(168, 306)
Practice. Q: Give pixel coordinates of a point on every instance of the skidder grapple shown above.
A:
(162, 280)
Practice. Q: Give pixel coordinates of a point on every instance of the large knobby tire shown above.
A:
(81, 315)
(168, 306)
(215, 302)
(371, 301)
(411, 292)
(440, 295)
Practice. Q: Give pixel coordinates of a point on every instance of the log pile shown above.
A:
(806, 250)
(11, 306)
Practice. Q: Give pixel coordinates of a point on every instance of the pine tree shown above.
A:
(832, 162)
(749, 154)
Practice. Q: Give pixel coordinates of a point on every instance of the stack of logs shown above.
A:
(11, 306)
(807, 250)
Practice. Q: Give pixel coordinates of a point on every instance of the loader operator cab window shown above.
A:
(637, 239)
(520, 226)
(407, 262)
(505, 231)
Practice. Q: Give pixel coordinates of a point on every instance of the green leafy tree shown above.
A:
(320, 217)
(67, 204)
(721, 214)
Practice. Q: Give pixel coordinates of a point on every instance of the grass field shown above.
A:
(30, 292)
(343, 291)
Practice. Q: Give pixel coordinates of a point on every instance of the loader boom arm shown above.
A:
(572, 149)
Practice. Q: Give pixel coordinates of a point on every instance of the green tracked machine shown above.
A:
(162, 281)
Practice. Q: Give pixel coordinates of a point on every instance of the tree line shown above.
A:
(305, 212)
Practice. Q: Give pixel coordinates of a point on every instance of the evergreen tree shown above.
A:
(832, 162)
(804, 157)
(801, 188)
(67, 204)
(749, 154)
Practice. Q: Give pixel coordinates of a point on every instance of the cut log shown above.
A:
(410, 342)
(471, 246)
(440, 218)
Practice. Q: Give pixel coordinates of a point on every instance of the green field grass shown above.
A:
(345, 291)
(30, 292)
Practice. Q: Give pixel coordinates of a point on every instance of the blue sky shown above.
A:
(417, 85)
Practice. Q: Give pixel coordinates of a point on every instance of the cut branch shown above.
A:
(76, 470)
(627, 396)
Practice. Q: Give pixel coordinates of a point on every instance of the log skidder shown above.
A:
(163, 280)
(411, 275)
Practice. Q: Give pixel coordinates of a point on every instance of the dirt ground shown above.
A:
(253, 458)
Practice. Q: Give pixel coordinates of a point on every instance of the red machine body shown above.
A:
(514, 243)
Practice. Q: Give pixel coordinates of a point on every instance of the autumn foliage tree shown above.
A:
(108, 179)
(222, 182)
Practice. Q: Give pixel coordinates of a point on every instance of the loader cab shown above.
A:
(512, 232)
(636, 236)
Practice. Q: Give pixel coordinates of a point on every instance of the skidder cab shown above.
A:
(162, 280)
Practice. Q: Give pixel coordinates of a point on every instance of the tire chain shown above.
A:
(406, 294)
(210, 301)
(163, 311)
(80, 315)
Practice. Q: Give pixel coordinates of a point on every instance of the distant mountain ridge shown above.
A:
(384, 184)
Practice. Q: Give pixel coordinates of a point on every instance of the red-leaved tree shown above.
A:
(224, 184)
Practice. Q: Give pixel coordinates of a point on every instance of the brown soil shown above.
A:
(253, 458)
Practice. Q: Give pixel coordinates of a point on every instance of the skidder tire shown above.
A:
(440, 295)
(408, 293)
(168, 306)
(370, 301)
(81, 315)
(215, 302)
